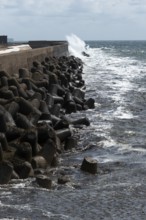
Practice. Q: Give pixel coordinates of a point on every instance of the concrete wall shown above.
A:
(44, 43)
(23, 59)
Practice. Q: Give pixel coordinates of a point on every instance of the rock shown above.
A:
(3, 73)
(22, 121)
(3, 126)
(6, 94)
(63, 179)
(23, 168)
(89, 165)
(44, 181)
(3, 142)
(85, 54)
(70, 143)
(48, 151)
(31, 136)
(14, 90)
(25, 106)
(24, 151)
(13, 133)
(38, 172)
(56, 109)
(6, 169)
(39, 162)
(34, 130)
(81, 121)
(45, 132)
(4, 81)
(1, 153)
(55, 160)
(90, 103)
(14, 175)
(13, 108)
(63, 133)
(24, 73)
(70, 107)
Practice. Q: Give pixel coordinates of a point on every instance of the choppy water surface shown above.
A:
(115, 76)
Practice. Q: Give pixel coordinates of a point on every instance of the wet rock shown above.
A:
(55, 110)
(70, 107)
(14, 175)
(55, 160)
(63, 179)
(61, 124)
(6, 169)
(38, 172)
(45, 132)
(63, 133)
(70, 142)
(81, 121)
(89, 165)
(44, 181)
(23, 168)
(48, 151)
(31, 136)
(90, 103)
(1, 153)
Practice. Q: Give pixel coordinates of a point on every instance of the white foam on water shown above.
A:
(57, 216)
(122, 113)
(111, 77)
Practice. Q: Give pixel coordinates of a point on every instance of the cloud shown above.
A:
(37, 7)
(36, 18)
(58, 7)
(117, 7)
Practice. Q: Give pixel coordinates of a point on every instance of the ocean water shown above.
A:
(115, 76)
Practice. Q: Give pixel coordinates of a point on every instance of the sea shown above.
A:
(115, 76)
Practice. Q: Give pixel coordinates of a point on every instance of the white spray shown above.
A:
(76, 45)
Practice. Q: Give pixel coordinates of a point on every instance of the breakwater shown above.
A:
(11, 62)
(33, 105)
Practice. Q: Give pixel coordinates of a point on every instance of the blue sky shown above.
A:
(88, 19)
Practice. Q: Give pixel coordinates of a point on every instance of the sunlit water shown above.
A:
(115, 76)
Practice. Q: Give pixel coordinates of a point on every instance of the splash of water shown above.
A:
(76, 45)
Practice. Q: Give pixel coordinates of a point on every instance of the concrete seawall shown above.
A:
(11, 62)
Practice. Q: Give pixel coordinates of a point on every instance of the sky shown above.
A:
(88, 19)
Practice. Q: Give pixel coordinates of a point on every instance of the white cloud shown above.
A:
(38, 7)
(52, 7)
(36, 18)
(113, 6)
